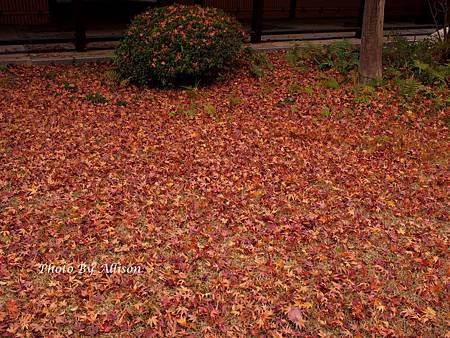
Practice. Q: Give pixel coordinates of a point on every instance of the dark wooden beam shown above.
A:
(359, 24)
(80, 29)
(198, 2)
(424, 15)
(257, 16)
(292, 9)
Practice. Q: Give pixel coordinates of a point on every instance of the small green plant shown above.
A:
(296, 59)
(234, 100)
(264, 91)
(326, 63)
(361, 99)
(341, 56)
(111, 75)
(284, 102)
(363, 93)
(439, 103)
(446, 121)
(381, 139)
(258, 64)
(261, 59)
(311, 53)
(210, 109)
(189, 110)
(363, 89)
(332, 83)
(293, 57)
(121, 103)
(70, 87)
(3, 68)
(408, 88)
(325, 112)
(96, 98)
(439, 74)
(184, 109)
(401, 53)
(408, 91)
(192, 91)
(294, 88)
(137, 97)
(256, 71)
(308, 90)
(51, 74)
(423, 60)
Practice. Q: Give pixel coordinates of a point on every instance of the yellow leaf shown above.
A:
(391, 204)
(306, 305)
(182, 321)
(256, 193)
(379, 306)
(152, 321)
(430, 313)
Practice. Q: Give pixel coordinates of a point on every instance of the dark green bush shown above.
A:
(424, 60)
(401, 53)
(96, 98)
(258, 63)
(340, 55)
(408, 88)
(178, 44)
(312, 53)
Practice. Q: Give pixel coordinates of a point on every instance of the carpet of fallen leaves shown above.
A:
(255, 207)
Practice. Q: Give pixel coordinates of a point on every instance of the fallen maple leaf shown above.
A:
(295, 315)
(182, 321)
(430, 313)
(152, 321)
(256, 193)
(12, 308)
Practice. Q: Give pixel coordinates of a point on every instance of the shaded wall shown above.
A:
(37, 11)
(24, 12)
(407, 9)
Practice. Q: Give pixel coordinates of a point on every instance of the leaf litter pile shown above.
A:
(273, 206)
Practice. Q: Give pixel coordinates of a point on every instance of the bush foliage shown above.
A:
(428, 60)
(340, 55)
(178, 44)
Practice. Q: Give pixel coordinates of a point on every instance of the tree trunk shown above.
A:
(370, 62)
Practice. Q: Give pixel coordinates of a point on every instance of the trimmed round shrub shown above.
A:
(178, 44)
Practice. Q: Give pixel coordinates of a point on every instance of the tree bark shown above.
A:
(370, 62)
